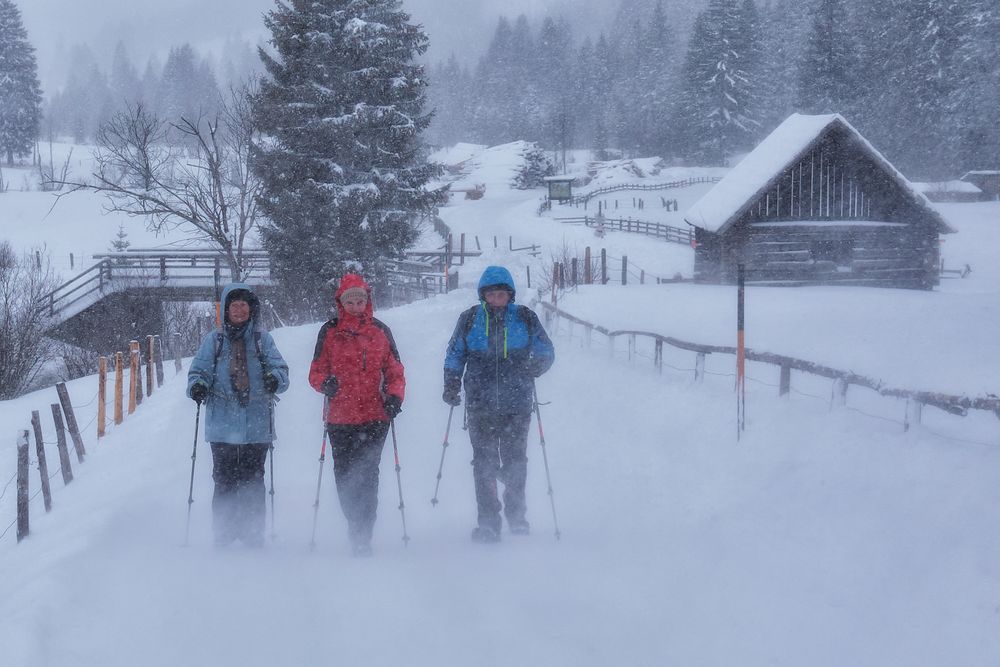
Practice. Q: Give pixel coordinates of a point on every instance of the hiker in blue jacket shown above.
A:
(501, 348)
(236, 373)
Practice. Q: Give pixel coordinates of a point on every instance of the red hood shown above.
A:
(347, 282)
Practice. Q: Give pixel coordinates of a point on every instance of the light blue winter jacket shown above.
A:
(225, 419)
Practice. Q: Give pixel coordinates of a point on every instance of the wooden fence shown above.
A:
(687, 182)
(684, 236)
(950, 403)
(148, 356)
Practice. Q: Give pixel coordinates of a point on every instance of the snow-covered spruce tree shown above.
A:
(827, 80)
(20, 91)
(715, 105)
(976, 93)
(341, 109)
(536, 167)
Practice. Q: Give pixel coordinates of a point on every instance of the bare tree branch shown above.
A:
(203, 184)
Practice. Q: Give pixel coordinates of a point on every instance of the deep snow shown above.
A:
(826, 536)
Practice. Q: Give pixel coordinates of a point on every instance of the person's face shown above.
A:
(496, 298)
(239, 311)
(355, 305)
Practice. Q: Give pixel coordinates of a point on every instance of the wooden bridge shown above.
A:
(132, 286)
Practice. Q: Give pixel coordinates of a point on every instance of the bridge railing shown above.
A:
(150, 268)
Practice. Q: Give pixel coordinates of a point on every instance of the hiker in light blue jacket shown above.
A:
(236, 373)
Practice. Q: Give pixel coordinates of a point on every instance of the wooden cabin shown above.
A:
(988, 181)
(816, 203)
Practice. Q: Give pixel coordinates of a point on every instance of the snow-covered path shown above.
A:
(822, 538)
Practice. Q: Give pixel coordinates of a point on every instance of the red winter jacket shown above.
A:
(362, 355)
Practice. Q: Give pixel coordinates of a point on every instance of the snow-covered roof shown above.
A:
(947, 186)
(722, 205)
(982, 172)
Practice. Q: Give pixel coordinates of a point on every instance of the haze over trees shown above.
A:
(919, 78)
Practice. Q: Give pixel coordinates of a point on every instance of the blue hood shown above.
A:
(496, 275)
(252, 301)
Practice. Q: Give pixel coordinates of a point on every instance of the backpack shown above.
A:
(522, 311)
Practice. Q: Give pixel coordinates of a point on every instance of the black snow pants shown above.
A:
(499, 451)
(357, 451)
(238, 506)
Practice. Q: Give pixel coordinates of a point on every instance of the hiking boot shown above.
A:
(363, 550)
(223, 540)
(519, 526)
(254, 541)
(485, 534)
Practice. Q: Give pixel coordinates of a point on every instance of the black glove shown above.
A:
(330, 386)
(393, 405)
(199, 392)
(270, 383)
(451, 397)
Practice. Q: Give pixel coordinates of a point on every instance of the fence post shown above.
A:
(74, 430)
(158, 360)
(574, 273)
(149, 365)
(134, 385)
(699, 367)
(642, 276)
(527, 270)
(177, 352)
(839, 395)
(658, 356)
(22, 486)
(43, 465)
(624, 269)
(588, 278)
(785, 383)
(604, 266)
(914, 413)
(119, 386)
(461, 249)
(102, 394)
(588, 335)
(64, 464)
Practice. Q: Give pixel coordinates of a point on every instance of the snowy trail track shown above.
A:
(820, 539)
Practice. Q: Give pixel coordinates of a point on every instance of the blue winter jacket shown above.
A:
(225, 419)
(501, 353)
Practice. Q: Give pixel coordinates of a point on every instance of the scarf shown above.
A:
(238, 375)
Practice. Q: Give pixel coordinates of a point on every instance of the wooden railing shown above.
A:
(951, 403)
(151, 268)
(687, 182)
(655, 229)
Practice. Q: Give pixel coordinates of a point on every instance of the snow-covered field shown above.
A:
(826, 536)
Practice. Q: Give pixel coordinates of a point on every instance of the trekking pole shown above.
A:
(271, 457)
(444, 448)
(545, 459)
(194, 455)
(319, 482)
(399, 483)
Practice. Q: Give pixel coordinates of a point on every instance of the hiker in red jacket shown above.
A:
(356, 365)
